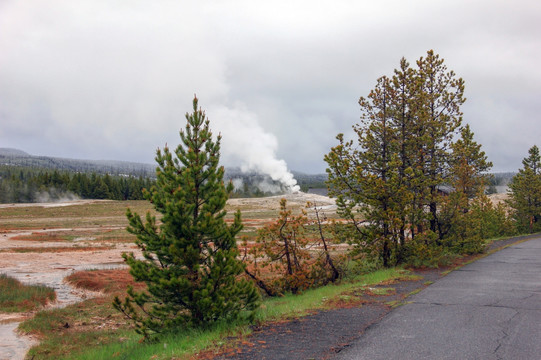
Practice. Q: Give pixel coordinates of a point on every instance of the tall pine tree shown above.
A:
(469, 165)
(190, 266)
(461, 229)
(525, 193)
(438, 117)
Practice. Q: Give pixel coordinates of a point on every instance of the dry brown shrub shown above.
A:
(36, 236)
(108, 281)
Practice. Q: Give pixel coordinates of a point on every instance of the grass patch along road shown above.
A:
(93, 330)
(17, 297)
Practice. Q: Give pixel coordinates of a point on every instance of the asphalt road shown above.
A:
(490, 309)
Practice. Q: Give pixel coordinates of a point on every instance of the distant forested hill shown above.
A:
(14, 157)
(12, 152)
(29, 178)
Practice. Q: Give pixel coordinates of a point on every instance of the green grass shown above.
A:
(70, 329)
(298, 305)
(16, 297)
(82, 341)
(173, 346)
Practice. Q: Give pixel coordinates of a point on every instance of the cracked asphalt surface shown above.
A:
(489, 309)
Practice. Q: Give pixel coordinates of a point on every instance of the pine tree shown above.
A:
(369, 179)
(469, 165)
(461, 229)
(438, 116)
(190, 266)
(533, 161)
(525, 193)
(405, 84)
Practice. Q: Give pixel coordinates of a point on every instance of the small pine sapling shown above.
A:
(190, 257)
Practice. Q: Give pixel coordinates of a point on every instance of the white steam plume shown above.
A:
(244, 141)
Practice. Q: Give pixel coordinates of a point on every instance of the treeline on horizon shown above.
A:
(22, 184)
(29, 185)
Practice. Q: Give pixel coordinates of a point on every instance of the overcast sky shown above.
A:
(279, 79)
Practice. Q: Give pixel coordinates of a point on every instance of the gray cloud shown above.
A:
(113, 79)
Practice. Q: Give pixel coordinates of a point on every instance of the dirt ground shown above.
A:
(48, 263)
(298, 199)
(498, 198)
(36, 253)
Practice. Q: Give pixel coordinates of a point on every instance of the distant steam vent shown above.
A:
(251, 183)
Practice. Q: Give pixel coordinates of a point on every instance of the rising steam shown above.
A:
(245, 142)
